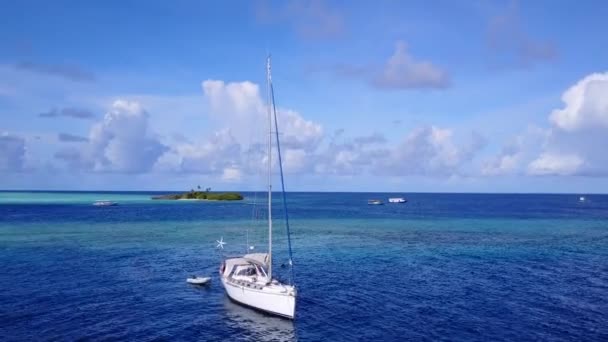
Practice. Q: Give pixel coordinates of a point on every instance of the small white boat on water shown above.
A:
(397, 200)
(196, 280)
(581, 199)
(104, 203)
(375, 202)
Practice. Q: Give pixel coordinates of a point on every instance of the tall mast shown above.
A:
(280, 162)
(268, 81)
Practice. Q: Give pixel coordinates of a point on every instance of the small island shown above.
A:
(202, 195)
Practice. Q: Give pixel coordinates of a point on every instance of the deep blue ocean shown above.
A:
(442, 267)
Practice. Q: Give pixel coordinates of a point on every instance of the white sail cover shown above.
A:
(260, 258)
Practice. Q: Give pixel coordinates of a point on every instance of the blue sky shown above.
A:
(481, 96)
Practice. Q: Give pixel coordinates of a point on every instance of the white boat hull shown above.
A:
(198, 280)
(273, 299)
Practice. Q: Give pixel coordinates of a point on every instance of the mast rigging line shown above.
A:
(276, 132)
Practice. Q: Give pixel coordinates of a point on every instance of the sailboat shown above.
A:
(248, 279)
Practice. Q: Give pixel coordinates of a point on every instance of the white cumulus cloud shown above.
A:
(231, 174)
(574, 143)
(233, 98)
(515, 155)
(121, 142)
(211, 156)
(403, 71)
(239, 106)
(240, 111)
(297, 160)
(555, 164)
(586, 104)
(298, 133)
(431, 150)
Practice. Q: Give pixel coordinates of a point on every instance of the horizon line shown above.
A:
(325, 191)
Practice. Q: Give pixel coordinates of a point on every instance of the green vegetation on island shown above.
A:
(202, 195)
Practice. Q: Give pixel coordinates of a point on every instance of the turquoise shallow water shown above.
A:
(441, 267)
(41, 197)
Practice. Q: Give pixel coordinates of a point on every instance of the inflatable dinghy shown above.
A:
(198, 280)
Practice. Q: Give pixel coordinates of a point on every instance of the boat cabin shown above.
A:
(251, 268)
(251, 272)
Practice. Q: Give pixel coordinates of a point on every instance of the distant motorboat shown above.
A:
(581, 199)
(104, 203)
(374, 202)
(196, 280)
(397, 200)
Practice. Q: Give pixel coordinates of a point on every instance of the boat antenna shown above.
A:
(276, 132)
